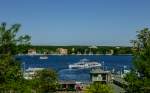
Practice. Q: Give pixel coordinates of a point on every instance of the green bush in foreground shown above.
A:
(98, 88)
(45, 81)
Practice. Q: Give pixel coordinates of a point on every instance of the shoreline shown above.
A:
(74, 54)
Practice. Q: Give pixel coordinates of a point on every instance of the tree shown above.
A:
(8, 40)
(23, 44)
(98, 88)
(11, 76)
(139, 78)
(45, 81)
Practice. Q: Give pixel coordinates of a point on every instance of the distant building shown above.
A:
(66, 84)
(111, 51)
(73, 49)
(94, 47)
(91, 49)
(32, 51)
(79, 53)
(62, 51)
(99, 75)
(72, 85)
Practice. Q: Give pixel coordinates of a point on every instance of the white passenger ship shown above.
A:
(84, 63)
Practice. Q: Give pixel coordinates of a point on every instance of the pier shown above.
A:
(119, 81)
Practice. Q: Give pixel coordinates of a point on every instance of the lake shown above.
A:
(60, 64)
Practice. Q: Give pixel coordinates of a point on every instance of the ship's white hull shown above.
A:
(82, 67)
(83, 64)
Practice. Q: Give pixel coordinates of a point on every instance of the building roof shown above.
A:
(99, 71)
(67, 82)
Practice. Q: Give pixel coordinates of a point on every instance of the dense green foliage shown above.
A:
(98, 88)
(9, 43)
(139, 78)
(45, 81)
(11, 75)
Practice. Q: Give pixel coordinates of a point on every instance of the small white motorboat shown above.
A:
(43, 57)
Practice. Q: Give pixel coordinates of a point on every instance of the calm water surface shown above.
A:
(60, 64)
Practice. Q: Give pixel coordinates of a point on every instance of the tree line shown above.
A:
(84, 49)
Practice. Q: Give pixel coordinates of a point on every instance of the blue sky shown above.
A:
(77, 22)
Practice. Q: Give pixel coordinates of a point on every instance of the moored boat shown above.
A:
(43, 57)
(84, 63)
